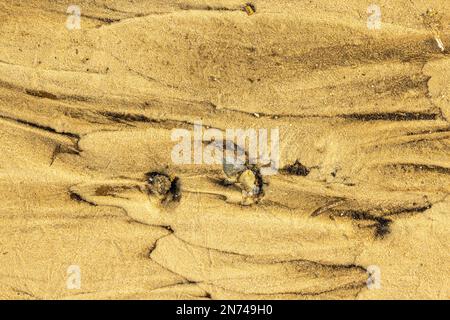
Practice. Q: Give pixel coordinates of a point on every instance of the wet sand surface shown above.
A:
(87, 114)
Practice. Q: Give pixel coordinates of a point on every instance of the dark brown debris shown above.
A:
(297, 169)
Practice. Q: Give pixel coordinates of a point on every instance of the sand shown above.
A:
(86, 117)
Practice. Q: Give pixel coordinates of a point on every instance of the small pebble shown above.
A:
(248, 180)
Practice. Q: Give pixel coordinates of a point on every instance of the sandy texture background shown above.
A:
(85, 114)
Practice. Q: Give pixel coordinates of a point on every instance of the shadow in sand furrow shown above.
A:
(417, 167)
(392, 116)
(43, 94)
(409, 49)
(69, 146)
(77, 197)
(382, 217)
(47, 129)
(252, 275)
(430, 132)
(199, 7)
(156, 123)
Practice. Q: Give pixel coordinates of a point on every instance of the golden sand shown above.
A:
(86, 117)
